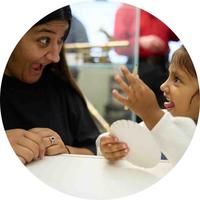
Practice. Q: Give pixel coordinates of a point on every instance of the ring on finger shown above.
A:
(52, 140)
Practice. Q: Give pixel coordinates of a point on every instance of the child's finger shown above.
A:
(114, 147)
(122, 84)
(133, 79)
(108, 139)
(120, 98)
(116, 155)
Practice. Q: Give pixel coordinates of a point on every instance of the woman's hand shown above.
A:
(53, 142)
(27, 145)
(112, 149)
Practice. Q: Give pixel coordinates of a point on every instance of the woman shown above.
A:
(43, 111)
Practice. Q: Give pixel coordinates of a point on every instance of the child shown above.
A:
(173, 128)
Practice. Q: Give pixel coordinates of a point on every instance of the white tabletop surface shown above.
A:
(95, 177)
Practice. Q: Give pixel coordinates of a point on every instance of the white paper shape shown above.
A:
(143, 149)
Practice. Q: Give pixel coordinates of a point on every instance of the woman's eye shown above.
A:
(44, 41)
(61, 41)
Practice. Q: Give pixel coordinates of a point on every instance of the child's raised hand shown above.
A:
(139, 97)
(113, 149)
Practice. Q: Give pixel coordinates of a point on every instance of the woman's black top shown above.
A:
(49, 103)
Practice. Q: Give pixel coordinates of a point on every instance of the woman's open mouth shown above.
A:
(36, 69)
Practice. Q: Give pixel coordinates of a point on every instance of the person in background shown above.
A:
(153, 46)
(173, 128)
(43, 110)
(77, 34)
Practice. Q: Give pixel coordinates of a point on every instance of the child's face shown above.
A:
(181, 92)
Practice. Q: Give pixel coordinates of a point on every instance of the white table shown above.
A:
(95, 177)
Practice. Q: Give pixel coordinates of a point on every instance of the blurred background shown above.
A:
(91, 54)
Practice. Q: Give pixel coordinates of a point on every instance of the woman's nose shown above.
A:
(54, 54)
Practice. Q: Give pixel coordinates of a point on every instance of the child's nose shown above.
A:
(163, 86)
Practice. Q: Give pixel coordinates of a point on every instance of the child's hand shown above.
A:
(139, 98)
(112, 148)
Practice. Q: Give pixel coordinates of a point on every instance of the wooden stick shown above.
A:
(97, 116)
(83, 45)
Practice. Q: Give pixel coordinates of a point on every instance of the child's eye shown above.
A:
(177, 80)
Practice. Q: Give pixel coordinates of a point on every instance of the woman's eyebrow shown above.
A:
(46, 30)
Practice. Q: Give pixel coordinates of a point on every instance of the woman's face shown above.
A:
(182, 93)
(40, 46)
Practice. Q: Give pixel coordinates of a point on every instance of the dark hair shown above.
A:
(181, 58)
(61, 68)
(63, 13)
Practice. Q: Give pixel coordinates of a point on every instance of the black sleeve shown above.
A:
(85, 130)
